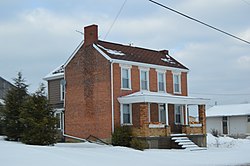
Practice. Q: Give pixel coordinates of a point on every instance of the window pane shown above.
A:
(176, 83)
(125, 73)
(126, 113)
(161, 82)
(125, 83)
(125, 78)
(144, 80)
(58, 124)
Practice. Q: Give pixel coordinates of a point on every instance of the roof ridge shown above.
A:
(137, 47)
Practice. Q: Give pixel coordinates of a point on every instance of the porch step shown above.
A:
(186, 143)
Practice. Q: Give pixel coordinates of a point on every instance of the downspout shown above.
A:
(112, 97)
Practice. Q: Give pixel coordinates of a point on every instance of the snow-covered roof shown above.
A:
(157, 97)
(56, 73)
(229, 110)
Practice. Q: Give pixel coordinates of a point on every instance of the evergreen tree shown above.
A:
(1, 120)
(14, 102)
(38, 120)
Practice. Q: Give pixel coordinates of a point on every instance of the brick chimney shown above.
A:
(90, 35)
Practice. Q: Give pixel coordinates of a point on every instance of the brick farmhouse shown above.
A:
(105, 85)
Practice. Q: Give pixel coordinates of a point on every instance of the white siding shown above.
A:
(214, 123)
(237, 125)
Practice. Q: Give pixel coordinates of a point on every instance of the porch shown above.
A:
(152, 114)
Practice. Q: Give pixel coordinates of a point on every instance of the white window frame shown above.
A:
(179, 79)
(130, 112)
(147, 77)
(59, 112)
(129, 77)
(62, 91)
(164, 80)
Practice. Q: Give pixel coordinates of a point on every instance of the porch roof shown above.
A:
(157, 97)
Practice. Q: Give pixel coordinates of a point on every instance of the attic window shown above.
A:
(168, 59)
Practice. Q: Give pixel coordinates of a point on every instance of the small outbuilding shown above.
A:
(233, 120)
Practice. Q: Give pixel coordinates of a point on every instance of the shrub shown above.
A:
(215, 132)
(122, 136)
(138, 144)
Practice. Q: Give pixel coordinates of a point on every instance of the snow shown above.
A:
(229, 110)
(56, 73)
(1, 102)
(229, 152)
(114, 52)
(167, 59)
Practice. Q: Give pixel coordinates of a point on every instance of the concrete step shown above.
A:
(186, 143)
(180, 138)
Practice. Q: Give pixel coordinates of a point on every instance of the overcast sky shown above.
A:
(36, 36)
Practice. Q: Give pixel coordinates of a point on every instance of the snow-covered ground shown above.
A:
(221, 151)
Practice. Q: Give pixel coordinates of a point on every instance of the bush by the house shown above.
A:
(215, 132)
(122, 136)
(138, 144)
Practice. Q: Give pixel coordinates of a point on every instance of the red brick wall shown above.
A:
(154, 113)
(184, 83)
(135, 82)
(169, 81)
(88, 95)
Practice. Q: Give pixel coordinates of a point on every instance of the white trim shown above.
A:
(147, 65)
(62, 92)
(179, 79)
(129, 77)
(147, 77)
(102, 53)
(164, 80)
(156, 97)
(159, 112)
(156, 126)
(166, 107)
(121, 114)
(54, 77)
(186, 114)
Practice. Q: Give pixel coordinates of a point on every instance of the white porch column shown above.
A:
(149, 112)
(186, 114)
(166, 108)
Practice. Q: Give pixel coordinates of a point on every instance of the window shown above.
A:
(59, 120)
(62, 89)
(126, 114)
(177, 83)
(144, 80)
(248, 118)
(224, 125)
(126, 78)
(177, 111)
(161, 82)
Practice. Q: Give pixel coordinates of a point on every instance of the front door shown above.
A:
(225, 125)
(162, 113)
(178, 119)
